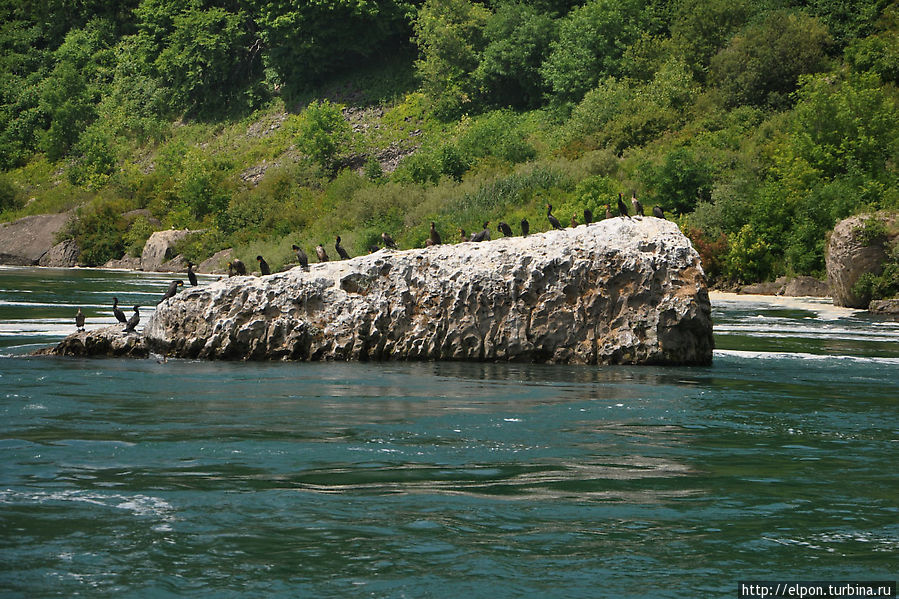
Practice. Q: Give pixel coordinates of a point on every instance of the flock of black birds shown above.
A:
(237, 267)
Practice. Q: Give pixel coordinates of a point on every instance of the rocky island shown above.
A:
(620, 291)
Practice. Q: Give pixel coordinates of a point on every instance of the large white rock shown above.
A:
(618, 291)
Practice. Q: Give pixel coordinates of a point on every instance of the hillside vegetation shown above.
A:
(755, 125)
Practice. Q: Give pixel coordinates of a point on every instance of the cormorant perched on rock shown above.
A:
(504, 228)
(117, 312)
(463, 236)
(340, 251)
(321, 253)
(79, 320)
(236, 267)
(588, 216)
(172, 290)
(483, 234)
(608, 211)
(132, 322)
(302, 258)
(525, 227)
(388, 241)
(635, 203)
(658, 212)
(372, 249)
(191, 276)
(434, 236)
(622, 207)
(263, 266)
(552, 219)
(573, 221)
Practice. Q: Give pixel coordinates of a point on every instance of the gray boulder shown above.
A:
(848, 257)
(159, 249)
(63, 254)
(111, 342)
(621, 291)
(24, 242)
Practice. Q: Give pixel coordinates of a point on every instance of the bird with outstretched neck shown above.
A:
(191, 276)
(340, 251)
(552, 219)
(263, 266)
(622, 207)
(302, 258)
(133, 321)
(573, 221)
(636, 205)
(117, 312)
(433, 235)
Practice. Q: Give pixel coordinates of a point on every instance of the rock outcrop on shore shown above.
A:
(109, 342)
(32, 239)
(621, 291)
(850, 255)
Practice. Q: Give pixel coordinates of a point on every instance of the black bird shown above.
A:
(372, 249)
(191, 276)
(117, 312)
(608, 211)
(463, 236)
(552, 219)
(263, 266)
(340, 251)
(434, 236)
(638, 207)
(525, 227)
(504, 228)
(172, 290)
(658, 212)
(321, 253)
(79, 320)
(132, 322)
(236, 267)
(573, 221)
(302, 258)
(588, 216)
(622, 207)
(388, 241)
(483, 234)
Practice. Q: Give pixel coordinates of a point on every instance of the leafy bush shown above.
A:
(10, 195)
(323, 133)
(748, 257)
(136, 236)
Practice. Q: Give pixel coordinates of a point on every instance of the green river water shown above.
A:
(143, 478)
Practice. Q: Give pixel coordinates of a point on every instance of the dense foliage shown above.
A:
(263, 123)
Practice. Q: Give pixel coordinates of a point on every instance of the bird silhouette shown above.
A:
(588, 216)
(321, 253)
(504, 228)
(552, 219)
(302, 258)
(622, 207)
(340, 251)
(388, 241)
(525, 227)
(263, 266)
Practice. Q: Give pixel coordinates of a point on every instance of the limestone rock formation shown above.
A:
(801, 286)
(217, 263)
(109, 341)
(159, 249)
(24, 242)
(849, 256)
(618, 291)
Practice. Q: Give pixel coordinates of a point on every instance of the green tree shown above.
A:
(518, 39)
(592, 39)
(680, 181)
(323, 133)
(451, 37)
(761, 65)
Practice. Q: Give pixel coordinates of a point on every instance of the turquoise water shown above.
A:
(143, 478)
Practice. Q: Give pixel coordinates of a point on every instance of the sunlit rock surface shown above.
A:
(618, 291)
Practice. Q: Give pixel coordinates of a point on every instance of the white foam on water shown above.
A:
(763, 355)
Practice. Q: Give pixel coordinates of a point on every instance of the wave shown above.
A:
(764, 355)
